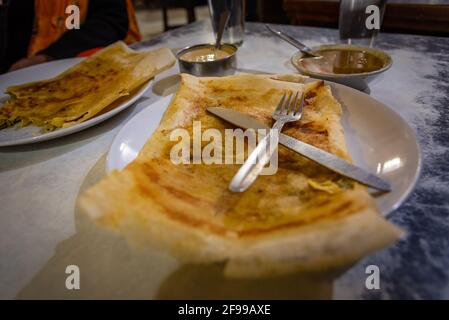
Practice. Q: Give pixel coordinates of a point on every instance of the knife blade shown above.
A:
(321, 157)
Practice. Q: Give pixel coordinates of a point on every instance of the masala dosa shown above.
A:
(84, 90)
(303, 218)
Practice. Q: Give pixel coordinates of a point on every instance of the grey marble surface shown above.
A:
(41, 231)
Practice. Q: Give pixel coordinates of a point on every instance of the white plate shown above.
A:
(31, 134)
(378, 140)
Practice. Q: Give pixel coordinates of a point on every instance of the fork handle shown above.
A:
(257, 160)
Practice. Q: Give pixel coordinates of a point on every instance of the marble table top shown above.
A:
(41, 232)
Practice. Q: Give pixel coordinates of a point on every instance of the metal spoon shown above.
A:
(224, 18)
(302, 47)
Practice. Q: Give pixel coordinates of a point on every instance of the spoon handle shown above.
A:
(224, 18)
(302, 47)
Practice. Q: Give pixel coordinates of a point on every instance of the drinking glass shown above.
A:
(359, 22)
(235, 29)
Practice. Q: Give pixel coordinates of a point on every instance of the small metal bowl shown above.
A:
(358, 81)
(221, 67)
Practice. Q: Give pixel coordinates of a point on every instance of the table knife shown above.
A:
(321, 157)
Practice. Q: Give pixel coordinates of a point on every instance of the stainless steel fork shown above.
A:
(288, 110)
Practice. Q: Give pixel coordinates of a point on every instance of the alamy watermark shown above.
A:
(372, 281)
(226, 147)
(373, 20)
(72, 281)
(73, 20)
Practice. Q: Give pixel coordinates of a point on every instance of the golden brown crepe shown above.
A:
(85, 89)
(304, 217)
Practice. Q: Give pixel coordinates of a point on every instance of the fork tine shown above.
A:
(292, 106)
(280, 105)
(287, 104)
(300, 106)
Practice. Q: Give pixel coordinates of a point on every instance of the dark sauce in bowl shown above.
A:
(342, 61)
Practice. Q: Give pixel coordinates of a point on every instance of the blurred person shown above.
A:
(35, 31)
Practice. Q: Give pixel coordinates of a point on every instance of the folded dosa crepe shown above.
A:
(303, 218)
(85, 89)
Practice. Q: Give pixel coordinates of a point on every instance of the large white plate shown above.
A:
(32, 134)
(378, 140)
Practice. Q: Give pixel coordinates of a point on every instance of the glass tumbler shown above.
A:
(360, 20)
(235, 29)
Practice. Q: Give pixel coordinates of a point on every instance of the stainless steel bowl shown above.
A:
(355, 80)
(221, 67)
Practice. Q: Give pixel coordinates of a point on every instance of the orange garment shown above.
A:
(50, 17)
